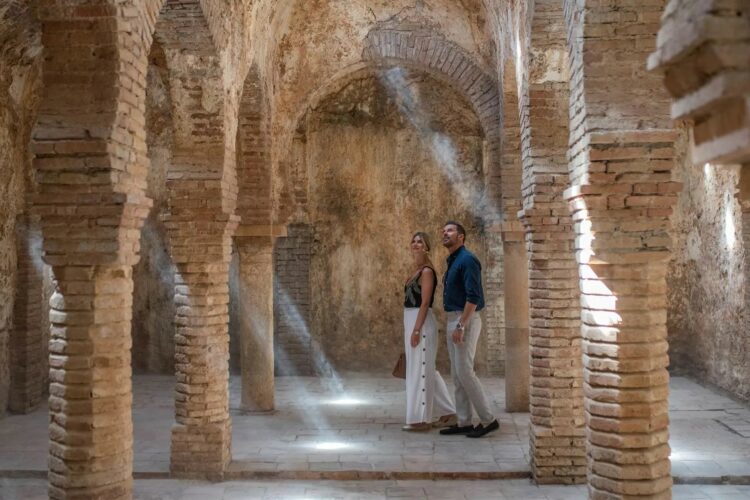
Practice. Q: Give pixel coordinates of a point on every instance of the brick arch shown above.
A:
(254, 202)
(442, 58)
(490, 190)
(202, 160)
(425, 50)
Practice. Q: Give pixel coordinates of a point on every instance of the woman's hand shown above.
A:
(415, 338)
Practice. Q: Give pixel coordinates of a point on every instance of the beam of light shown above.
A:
(34, 246)
(331, 445)
(441, 146)
(346, 401)
(257, 325)
(730, 236)
(299, 328)
(161, 266)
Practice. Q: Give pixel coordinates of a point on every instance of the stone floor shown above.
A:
(510, 489)
(354, 433)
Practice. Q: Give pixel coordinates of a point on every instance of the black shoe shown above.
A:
(457, 429)
(480, 430)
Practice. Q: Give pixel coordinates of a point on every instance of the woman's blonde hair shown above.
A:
(428, 245)
(425, 239)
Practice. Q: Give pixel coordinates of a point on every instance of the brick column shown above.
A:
(201, 250)
(620, 160)
(27, 349)
(557, 413)
(557, 417)
(91, 432)
(516, 319)
(256, 323)
(621, 221)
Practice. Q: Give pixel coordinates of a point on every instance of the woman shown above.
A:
(426, 393)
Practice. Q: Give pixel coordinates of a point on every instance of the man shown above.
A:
(463, 298)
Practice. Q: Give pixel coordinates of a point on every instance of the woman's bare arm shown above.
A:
(426, 282)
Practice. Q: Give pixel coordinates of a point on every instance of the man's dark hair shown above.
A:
(459, 228)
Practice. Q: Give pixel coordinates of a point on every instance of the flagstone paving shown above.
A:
(320, 432)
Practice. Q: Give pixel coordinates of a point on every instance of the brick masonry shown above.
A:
(620, 158)
(293, 347)
(702, 53)
(91, 165)
(556, 393)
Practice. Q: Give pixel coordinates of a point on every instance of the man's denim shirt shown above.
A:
(462, 281)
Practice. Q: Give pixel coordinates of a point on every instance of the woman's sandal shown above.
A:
(420, 427)
(446, 421)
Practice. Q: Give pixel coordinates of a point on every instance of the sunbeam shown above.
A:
(440, 145)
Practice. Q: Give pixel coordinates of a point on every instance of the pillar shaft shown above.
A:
(516, 323)
(557, 416)
(27, 351)
(201, 436)
(256, 323)
(90, 390)
(622, 247)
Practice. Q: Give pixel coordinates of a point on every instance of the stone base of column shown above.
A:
(517, 370)
(558, 459)
(120, 490)
(200, 452)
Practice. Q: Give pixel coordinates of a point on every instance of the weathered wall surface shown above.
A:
(318, 41)
(20, 65)
(707, 285)
(373, 182)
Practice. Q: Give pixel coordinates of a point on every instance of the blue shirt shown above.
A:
(462, 281)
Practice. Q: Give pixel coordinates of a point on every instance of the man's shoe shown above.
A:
(480, 430)
(457, 429)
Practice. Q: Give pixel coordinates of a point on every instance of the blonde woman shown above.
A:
(427, 396)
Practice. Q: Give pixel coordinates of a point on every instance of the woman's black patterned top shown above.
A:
(413, 290)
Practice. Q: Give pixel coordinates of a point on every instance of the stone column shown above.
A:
(622, 246)
(256, 323)
(516, 319)
(27, 351)
(201, 437)
(255, 244)
(91, 432)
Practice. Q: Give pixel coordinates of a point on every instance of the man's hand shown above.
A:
(458, 336)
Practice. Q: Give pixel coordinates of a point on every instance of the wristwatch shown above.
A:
(459, 326)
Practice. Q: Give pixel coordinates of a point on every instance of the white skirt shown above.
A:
(427, 396)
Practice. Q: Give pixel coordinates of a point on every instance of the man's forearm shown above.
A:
(469, 309)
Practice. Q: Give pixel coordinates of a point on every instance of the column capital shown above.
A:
(255, 234)
(509, 230)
